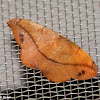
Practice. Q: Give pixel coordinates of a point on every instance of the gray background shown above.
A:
(79, 20)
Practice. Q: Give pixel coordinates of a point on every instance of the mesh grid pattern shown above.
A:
(79, 20)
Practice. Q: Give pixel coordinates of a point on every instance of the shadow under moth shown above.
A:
(58, 58)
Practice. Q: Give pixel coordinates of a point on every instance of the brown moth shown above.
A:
(58, 58)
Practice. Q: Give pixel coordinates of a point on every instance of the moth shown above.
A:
(58, 58)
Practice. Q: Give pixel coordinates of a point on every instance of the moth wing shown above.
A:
(54, 46)
(55, 72)
(32, 58)
(25, 42)
(82, 72)
(78, 65)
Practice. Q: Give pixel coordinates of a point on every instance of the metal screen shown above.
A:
(79, 20)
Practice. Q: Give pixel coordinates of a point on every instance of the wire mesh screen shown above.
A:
(79, 20)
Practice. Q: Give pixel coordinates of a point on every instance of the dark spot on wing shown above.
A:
(21, 35)
(44, 28)
(79, 74)
(78, 50)
(22, 40)
(83, 72)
